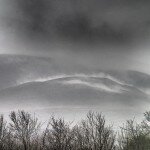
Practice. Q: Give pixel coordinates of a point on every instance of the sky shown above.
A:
(75, 34)
(110, 33)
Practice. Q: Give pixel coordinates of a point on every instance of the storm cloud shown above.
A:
(84, 21)
(75, 55)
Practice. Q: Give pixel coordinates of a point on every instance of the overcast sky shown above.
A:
(105, 33)
(76, 35)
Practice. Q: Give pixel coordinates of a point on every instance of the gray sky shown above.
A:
(79, 36)
(110, 34)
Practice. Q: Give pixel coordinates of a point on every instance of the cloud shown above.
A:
(77, 75)
(90, 21)
(95, 34)
(97, 86)
(85, 79)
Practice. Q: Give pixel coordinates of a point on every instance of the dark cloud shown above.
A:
(95, 21)
(96, 34)
(75, 37)
(79, 27)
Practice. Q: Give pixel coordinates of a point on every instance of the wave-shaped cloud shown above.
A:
(61, 76)
(119, 86)
(84, 79)
(97, 86)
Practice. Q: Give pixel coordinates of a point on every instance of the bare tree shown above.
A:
(7, 140)
(23, 133)
(135, 136)
(58, 135)
(93, 134)
(3, 132)
(24, 128)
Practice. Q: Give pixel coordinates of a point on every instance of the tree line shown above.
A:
(24, 132)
